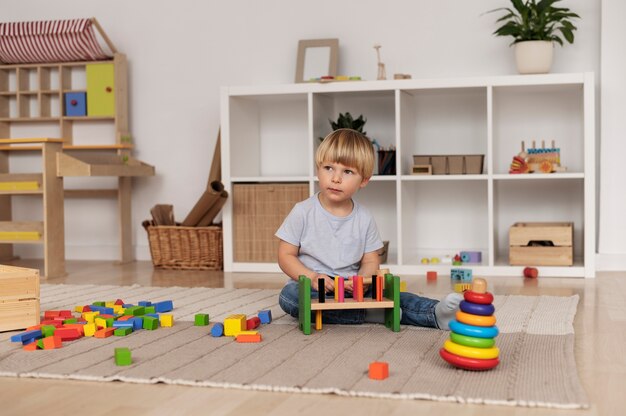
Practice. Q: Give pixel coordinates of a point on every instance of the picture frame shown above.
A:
(316, 58)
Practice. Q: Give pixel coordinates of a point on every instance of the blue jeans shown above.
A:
(416, 310)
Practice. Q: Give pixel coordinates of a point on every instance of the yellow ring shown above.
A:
(471, 352)
(476, 320)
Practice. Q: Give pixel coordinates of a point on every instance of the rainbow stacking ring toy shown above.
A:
(472, 345)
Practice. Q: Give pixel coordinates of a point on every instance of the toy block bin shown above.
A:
(541, 244)
(452, 164)
(19, 297)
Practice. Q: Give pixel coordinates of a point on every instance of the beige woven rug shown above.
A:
(537, 351)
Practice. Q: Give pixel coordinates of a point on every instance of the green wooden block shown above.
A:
(150, 323)
(201, 319)
(304, 304)
(135, 311)
(109, 322)
(149, 309)
(70, 321)
(123, 356)
(40, 344)
(392, 292)
(98, 304)
(123, 331)
(48, 330)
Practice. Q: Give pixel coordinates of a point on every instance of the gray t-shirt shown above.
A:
(328, 244)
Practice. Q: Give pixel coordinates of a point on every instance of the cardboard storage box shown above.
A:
(541, 244)
(452, 164)
(19, 298)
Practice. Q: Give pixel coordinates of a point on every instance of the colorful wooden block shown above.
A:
(30, 347)
(123, 324)
(431, 275)
(135, 311)
(246, 338)
(253, 323)
(66, 334)
(217, 330)
(89, 329)
(51, 343)
(201, 319)
(378, 370)
(137, 322)
(123, 356)
(265, 316)
(164, 306)
(150, 323)
(123, 331)
(144, 303)
(463, 275)
(104, 332)
(48, 330)
(167, 320)
(234, 324)
(149, 310)
(21, 337)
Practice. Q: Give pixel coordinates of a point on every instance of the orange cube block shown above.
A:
(30, 347)
(378, 370)
(104, 332)
(431, 275)
(50, 343)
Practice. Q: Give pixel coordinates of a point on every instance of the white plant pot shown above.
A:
(534, 56)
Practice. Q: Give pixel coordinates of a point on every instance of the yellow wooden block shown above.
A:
(100, 89)
(109, 304)
(19, 186)
(234, 324)
(90, 316)
(79, 308)
(89, 329)
(100, 322)
(166, 319)
(402, 286)
(248, 332)
(20, 235)
(118, 309)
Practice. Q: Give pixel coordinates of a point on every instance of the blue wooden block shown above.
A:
(144, 303)
(217, 330)
(137, 322)
(463, 275)
(152, 315)
(164, 306)
(120, 324)
(265, 316)
(128, 305)
(75, 104)
(25, 336)
(102, 309)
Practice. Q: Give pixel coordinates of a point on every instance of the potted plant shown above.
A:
(535, 26)
(346, 121)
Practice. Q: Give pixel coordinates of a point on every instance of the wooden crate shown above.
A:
(258, 211)
(19, 298)
(541, 244)
(452, 164)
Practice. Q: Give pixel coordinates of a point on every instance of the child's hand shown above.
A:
(329, 284)
(348, 285)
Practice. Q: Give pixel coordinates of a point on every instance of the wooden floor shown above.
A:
(600, 340)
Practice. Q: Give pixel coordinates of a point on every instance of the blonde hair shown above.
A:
(350, 148)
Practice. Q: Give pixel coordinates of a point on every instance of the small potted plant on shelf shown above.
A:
(346, 121)
(535, 26)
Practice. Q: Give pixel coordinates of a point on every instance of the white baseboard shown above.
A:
(610, 262)
(82, 252)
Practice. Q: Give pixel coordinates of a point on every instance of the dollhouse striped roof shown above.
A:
(50, 41)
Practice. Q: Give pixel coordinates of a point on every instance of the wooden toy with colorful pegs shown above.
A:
(385, 295)
(472, 345)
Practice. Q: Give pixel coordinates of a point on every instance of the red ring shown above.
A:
(468, 363)
(480, 298)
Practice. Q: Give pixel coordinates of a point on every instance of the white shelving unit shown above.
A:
(270, 133)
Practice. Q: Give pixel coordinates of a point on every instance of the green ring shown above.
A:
(472, 341)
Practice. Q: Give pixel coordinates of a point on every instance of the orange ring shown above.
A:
(482, 298)
(476, 320)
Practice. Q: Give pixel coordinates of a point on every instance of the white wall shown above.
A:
(612, 241)
(180, 53)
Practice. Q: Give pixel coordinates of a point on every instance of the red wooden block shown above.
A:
(50, 314)
(378, 370)
(125, 318)
(248, 338)
(30, 328)
(104, 332)
(65, 314)
(253, 323)
(119, 302)
(86, 308)
(52, 322)
(67, 334)
(105, 316)
(431, 275)
(77, 326)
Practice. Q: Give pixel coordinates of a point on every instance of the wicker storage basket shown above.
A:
(185, 248)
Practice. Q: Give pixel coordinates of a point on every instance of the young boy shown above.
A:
(330, 235)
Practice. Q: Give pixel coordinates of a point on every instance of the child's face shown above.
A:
(339, 182)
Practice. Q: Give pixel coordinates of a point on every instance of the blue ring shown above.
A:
(477, 308)
(473, 331)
